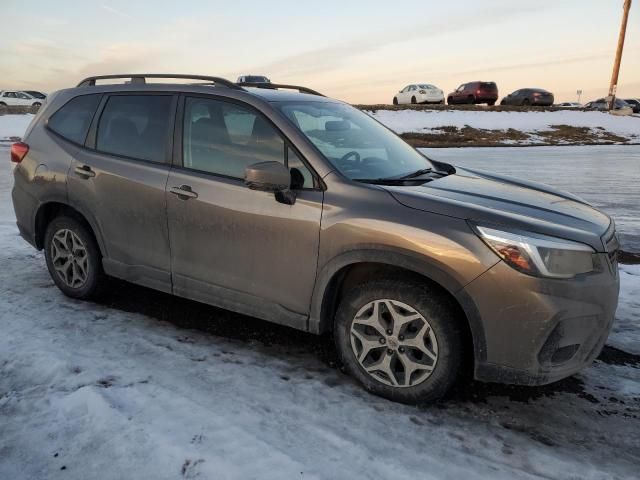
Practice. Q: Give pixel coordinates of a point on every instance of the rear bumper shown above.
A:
(545, 102)
(537, 331)
(24, 205)
(430, 98)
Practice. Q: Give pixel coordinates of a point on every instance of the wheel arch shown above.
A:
(48, 211)
(353, 267)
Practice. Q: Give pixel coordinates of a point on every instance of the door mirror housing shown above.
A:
(270, 177)
(267, 177)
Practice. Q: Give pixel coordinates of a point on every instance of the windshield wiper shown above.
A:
(417, 173)
(392, 181)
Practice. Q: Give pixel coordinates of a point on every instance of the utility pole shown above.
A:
(616, 66)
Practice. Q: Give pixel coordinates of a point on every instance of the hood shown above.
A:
(490, 199)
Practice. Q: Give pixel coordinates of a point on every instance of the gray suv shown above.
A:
(304, 211)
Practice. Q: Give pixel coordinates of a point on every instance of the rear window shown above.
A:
(488, 85)
(136, 126)
(73, 119)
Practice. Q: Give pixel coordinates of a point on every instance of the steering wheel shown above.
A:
(350, 154)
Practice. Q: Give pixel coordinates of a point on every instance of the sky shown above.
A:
(357, 51)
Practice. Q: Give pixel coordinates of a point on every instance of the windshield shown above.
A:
(256, 79)
(355, 144)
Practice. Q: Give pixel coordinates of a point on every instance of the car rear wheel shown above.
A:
(37, 104)
(526, 102)
(73, 258)
(413, 100)
(471, 100)
(400, 339)
(491, 104)
(395, 101)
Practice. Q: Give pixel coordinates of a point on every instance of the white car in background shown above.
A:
(14, 98)
(419, 93)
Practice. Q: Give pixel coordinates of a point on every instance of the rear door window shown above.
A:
(136, 126)
(72, 121)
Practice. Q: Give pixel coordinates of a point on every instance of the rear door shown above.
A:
(231, 246)
(119, 180)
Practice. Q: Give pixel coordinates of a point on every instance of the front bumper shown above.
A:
(538, 330)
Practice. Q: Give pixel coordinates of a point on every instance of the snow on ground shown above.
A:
(13, 126)
(145, 385)
(424, 121)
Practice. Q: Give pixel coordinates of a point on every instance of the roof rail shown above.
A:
(275, 86)
(142, 78)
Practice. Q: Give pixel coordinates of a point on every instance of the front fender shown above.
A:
(320, 323)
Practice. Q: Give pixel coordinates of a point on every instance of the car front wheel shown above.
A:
(73, 258)
(400, 339)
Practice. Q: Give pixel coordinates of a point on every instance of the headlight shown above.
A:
(539, 254)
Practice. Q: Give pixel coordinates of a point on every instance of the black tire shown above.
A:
(450, 100)
(526, 102)
(395, 101)
(95, 277)
(491, 104)
(36, 104)
(471, 100)
(441, 102)
(413, 100)
(435, 307)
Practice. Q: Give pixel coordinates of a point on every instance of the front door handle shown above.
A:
(85, 171)
(183, 192)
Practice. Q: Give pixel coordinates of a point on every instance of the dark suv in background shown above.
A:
(529, 96)
(474, 93)
(304, 211)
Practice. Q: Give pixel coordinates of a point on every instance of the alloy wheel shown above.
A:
(69, 258)
(394, 343)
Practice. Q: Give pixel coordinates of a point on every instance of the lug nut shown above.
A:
(401, 349)
(389, 352)
(382, 340)
(401, 337)
(389, 332)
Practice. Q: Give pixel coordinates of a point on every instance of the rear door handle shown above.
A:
(183, 192)
(85, 171)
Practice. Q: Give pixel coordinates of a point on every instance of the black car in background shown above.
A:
(633, 103)
(529, 96)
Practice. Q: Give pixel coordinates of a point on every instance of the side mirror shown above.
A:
(270, 177)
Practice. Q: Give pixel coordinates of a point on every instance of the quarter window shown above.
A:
(73, 119)
(224, 138)
(136, 126)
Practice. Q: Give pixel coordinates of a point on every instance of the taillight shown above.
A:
(477, 92)
(18, 151)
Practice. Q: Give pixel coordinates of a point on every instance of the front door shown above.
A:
(234, 247)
